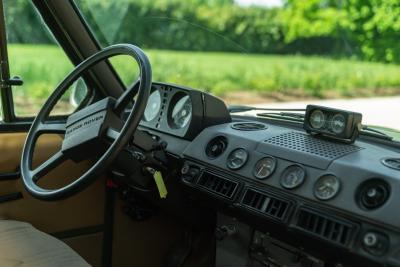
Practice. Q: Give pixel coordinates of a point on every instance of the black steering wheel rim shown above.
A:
(40, 126)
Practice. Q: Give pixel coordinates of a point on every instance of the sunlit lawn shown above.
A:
(43, 66)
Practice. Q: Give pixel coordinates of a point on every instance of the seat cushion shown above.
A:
(23, 245)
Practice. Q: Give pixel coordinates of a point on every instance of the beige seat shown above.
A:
(23, 245)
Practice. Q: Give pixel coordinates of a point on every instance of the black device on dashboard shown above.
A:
(333, 123)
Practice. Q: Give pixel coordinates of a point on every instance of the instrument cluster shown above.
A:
(168, 107)
(182, 111)
(293, 176)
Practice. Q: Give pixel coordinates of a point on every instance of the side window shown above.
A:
(41, 63)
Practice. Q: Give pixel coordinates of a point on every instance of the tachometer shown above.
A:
(153, 106)
(181, 112)
(326, 187)
(264, 167)
(293, 176)
(237, 158)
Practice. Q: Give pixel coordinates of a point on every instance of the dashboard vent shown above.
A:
(265, 204)
(216, 147)
(325, 227)
(393, 163)
(249, 126)
(308, 144)
(218, 185)
(373, 193)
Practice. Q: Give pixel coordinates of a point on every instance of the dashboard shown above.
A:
(274, 174)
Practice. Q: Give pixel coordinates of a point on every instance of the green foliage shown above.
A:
(367, 29)
(268, 75)
(375, 25)
(23, 23)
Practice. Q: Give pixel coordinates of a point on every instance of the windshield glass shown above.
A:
(267, 53)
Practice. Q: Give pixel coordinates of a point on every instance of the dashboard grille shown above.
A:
(249, 126)
(311, 145)
(218, 185)
(265, 204)
(325, 227)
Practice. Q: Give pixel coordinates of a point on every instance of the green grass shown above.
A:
(42, 67)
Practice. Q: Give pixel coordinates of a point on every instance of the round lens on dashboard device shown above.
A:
(237, 158)
(293, 176)
(317, 119)
(153, 106)
(181, 112)
(338, 123)
(326, 187)
(264, 167)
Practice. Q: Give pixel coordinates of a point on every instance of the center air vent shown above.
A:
(325, 227)
(265, 204)
(218, 185)
(393, 163)
(216, 147)
(373, 193)
(249, 126)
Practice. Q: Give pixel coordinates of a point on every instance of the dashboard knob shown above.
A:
(370, 239)
(375, 243)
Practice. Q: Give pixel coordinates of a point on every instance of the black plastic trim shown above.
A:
(89, 230)
(11, 197)
(6, 176)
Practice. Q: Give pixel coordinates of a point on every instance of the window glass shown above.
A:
(281, 54)
(35, 56)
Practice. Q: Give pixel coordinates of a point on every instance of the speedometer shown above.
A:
(153, 106)
(181, 112)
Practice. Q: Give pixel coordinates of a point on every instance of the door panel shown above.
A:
(82, 210)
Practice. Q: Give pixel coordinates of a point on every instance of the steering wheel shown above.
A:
(96, 130)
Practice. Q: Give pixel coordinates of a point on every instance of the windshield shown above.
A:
(268, 53)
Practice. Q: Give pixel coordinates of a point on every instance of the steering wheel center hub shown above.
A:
(86, 130)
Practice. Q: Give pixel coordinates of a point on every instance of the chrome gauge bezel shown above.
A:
(256, 172)
(287, 171)
(229, 159)
(336, 189)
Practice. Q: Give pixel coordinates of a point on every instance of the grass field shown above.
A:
(42, 67)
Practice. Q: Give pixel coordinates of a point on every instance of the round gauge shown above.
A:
(293, 176)
(338, 123)
(153, 106)
(181, 112)
(317, 119)
(326, 187)
(237, 158)
(264, 167)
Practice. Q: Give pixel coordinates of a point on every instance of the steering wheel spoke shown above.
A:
(49, 127)
(47, 166)
(112, 134)
(126, 97)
